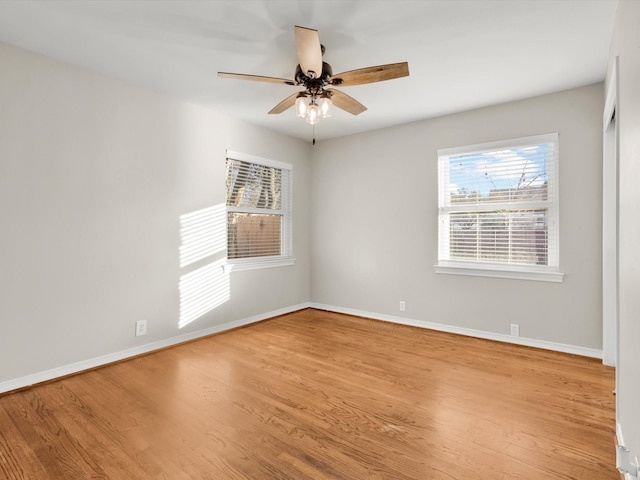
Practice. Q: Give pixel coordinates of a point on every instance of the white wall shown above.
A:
(94, 176)
(626, 45)
(374, 223)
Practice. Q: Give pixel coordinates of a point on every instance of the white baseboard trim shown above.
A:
(95, 362)
(91, 363)
(620, 441)
(529, 342)
(619, 436)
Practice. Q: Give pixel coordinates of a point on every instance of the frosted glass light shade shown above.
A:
(301, 106)
(325, 104)
(313, 114)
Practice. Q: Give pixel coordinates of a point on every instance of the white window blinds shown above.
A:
(258, 208)
(498, 203)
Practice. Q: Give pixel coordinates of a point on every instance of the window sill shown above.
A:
(256, 263)
(500, 272)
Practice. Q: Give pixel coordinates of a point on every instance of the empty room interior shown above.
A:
(420, 263)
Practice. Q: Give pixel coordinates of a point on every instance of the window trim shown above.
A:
(499, 271)
(546, 273)
(286, 233)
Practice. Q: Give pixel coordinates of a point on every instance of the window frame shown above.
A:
(286, 227)
(551, 271)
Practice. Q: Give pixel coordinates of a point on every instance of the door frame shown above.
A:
(610, 224)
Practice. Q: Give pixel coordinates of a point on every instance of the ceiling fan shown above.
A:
(315, 76)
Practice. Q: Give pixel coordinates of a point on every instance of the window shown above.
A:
(498, 209)
(258, 212)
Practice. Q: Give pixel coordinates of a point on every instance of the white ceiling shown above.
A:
(462, 54)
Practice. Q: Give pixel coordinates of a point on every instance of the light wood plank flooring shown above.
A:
(317, 395)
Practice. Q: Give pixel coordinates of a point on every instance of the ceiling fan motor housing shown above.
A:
(314, 83)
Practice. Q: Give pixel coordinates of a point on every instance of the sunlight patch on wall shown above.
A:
(202, 290)
(202, 233)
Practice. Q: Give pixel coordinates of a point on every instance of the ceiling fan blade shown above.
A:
(346, 102)
(309, 51)
(255, 78)
(285, 104)
(371, 74)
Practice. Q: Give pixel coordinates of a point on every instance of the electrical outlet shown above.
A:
(515, 330)
(141, 328)
(403, 306)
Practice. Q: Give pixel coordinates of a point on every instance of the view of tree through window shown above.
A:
(497, 206)
(254, 209)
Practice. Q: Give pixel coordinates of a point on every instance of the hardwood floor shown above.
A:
(316, 395)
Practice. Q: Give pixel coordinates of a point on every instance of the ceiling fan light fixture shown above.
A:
(313, 114)
(301, 106)
(325, 104)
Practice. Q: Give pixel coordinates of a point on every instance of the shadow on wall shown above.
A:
(203, 234)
